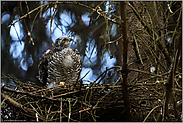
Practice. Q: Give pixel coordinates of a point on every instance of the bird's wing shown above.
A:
(78, 63)
(43, 66)
(76, 51)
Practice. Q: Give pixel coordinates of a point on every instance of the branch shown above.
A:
(26, 111)
(148, 73)
(170, 82)
(29, 94)
(151, 112)
(10, 101)
(125, 65)
(64, 2)
(151, 31)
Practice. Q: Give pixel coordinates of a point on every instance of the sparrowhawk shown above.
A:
(61, 64)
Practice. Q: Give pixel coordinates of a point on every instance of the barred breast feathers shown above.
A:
(59, 66)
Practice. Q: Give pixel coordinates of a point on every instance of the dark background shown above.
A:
(24, 43)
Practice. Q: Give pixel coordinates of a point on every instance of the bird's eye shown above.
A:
(65, 39)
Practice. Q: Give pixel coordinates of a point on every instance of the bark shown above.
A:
(124, 64)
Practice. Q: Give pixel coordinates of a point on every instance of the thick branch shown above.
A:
(125, 65)
(169, 84)
(10, 101)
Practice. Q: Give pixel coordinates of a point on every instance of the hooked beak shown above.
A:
(70, 39)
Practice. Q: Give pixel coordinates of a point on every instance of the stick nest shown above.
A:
(86, 102)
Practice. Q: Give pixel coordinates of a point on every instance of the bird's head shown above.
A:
(62, 42)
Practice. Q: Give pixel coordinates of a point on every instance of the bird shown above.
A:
(60, 64)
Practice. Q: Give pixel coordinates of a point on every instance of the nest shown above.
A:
(86, 102)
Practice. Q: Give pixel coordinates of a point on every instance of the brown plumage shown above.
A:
(61, 64)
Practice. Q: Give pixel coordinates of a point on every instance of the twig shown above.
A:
(27, 8)
(110, 42)
(150, 32)
(68, 93)
(91, 108)
(41, 10)
(54, 11)
(170, 81)
(29, 94)
(70, 118)
(28, 14)
(61, 109)
(151, 112)
(85, 74)
(17, 105)
(156, 75)
(69, 100)
(64, 2)
(137, 49)
(31, 39)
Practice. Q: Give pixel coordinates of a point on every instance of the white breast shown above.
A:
(68, 61)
